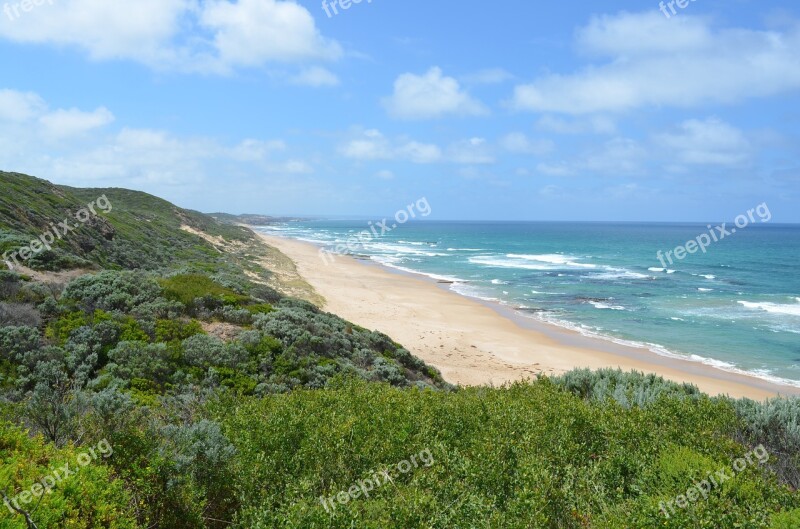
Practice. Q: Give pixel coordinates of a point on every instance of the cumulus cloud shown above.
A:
(471, 151)
(19, 106)
(209, 36)
(253, 32)
(373, 145)
(315, 76)
(706, 142)
(63, 123)
(74, 147)
(431, 95)
(30, 110)
(253, 150)
(519, 143)
(613, 157)
(655, 62)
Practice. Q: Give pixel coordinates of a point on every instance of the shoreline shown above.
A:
(477, 342)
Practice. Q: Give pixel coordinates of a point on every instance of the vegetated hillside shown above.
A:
(249, 219)
(139, 231)
(229, 404)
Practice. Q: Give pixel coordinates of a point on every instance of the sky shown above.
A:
(510, 110)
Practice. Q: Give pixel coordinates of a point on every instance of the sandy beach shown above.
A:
(474, 343)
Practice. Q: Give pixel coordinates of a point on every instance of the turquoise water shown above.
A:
(736, 307)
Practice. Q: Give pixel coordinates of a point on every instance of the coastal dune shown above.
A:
(475, 343)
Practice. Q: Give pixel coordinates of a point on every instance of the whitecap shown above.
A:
(773, 308)
(554, 259)
(601, 305)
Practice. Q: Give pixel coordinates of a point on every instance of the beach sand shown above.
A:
(476, 343)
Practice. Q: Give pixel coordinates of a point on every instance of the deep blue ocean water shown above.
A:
(736, 307)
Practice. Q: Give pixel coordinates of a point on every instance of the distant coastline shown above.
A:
(477, 342)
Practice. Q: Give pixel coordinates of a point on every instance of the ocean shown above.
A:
(735, 307)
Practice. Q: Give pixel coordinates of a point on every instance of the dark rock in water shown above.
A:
(445, 282)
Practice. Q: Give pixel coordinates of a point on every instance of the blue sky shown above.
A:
(602, 110)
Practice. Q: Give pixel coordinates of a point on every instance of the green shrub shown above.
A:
(112, 291)
(186, 288)
(176, 330)
(524, 456)
(91, 498)
(786, 520)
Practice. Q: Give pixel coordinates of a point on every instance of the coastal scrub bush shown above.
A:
(186, 288)
(205, 351)
(16, 341)
(112, 291)
(786, 520)
(139, 360)
(19, 314)
(626, 388)
(776, 425)
(90, 498)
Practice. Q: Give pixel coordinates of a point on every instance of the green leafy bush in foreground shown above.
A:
(91, 498)
(530, 455)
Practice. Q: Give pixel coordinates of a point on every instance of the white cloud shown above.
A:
(420, 152)
(708, 142)
(643, 34)
(370, 145)
(589, 125)
(253, 150)
(315, 76)
(471, 151)
(385, 174)
(680, 62)
(519, 143)
(293, 167)
(71, 146)
(30, 109)
(618, 155)
(210, 36)
(614, 157)
(19, 106)
(64, 123)
(101, 28)
(253, 32)
(555, 169)
(431, 95)
(373, 145)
